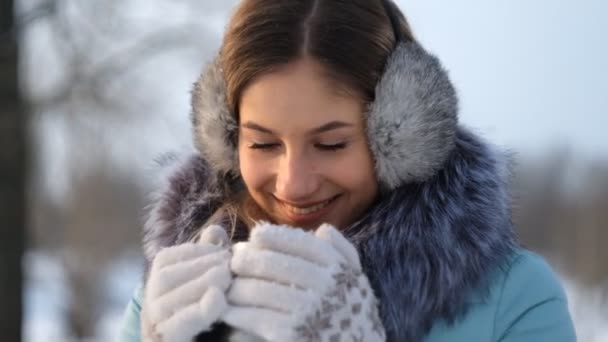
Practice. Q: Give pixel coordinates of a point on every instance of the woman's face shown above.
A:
(303, 150)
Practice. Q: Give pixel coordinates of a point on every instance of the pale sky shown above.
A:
(530, 74)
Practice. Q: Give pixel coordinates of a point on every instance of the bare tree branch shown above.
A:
(12, 183)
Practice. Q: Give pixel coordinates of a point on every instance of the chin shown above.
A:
(311, 221)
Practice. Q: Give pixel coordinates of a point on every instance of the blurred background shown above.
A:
(93, 91)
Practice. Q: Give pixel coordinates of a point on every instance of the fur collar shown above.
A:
(426, 247)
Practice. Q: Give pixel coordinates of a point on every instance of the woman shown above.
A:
(358, 209)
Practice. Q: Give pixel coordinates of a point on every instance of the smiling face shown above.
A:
(303, 149)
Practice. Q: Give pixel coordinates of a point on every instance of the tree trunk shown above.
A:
(12, 181)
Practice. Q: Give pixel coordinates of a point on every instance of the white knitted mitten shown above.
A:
(186, 287)
(292, 285)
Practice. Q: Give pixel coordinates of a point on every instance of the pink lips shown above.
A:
(301, 214)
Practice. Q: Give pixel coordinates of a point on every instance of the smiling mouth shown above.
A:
(308, 210)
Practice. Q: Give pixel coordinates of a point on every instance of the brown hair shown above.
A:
(351, 39)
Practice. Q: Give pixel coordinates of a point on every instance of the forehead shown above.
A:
(298, 96)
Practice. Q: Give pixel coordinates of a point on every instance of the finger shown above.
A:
(296, 242)
(251, 262)
(215, 235)
(176, 254)
(271, 325)
(175, 275)
(268, 295)
(217, 277)
(195, 318)
(330, 234)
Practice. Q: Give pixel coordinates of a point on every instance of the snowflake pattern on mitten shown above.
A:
(348, 312)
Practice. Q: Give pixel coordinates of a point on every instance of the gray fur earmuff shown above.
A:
(412, 122)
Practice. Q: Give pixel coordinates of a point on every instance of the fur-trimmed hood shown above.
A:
(426, 247)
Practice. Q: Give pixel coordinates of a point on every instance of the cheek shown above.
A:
(355, 172)
(252, 171)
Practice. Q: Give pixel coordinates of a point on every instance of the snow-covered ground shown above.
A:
(46, 297)
(589, 308)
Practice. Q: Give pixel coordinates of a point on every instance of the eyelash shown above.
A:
(333, 147)
(258, 146)
(322, 147)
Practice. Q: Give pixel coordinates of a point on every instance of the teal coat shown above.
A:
(525, 303)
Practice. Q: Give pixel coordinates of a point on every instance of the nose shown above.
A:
(296, 179)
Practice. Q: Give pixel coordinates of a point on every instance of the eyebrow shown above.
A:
(330, 126)
(256, 127)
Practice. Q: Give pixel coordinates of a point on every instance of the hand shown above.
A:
(185, 292)
(292, 285)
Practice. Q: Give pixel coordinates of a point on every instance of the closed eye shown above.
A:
(263, 146)
(331, 147)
